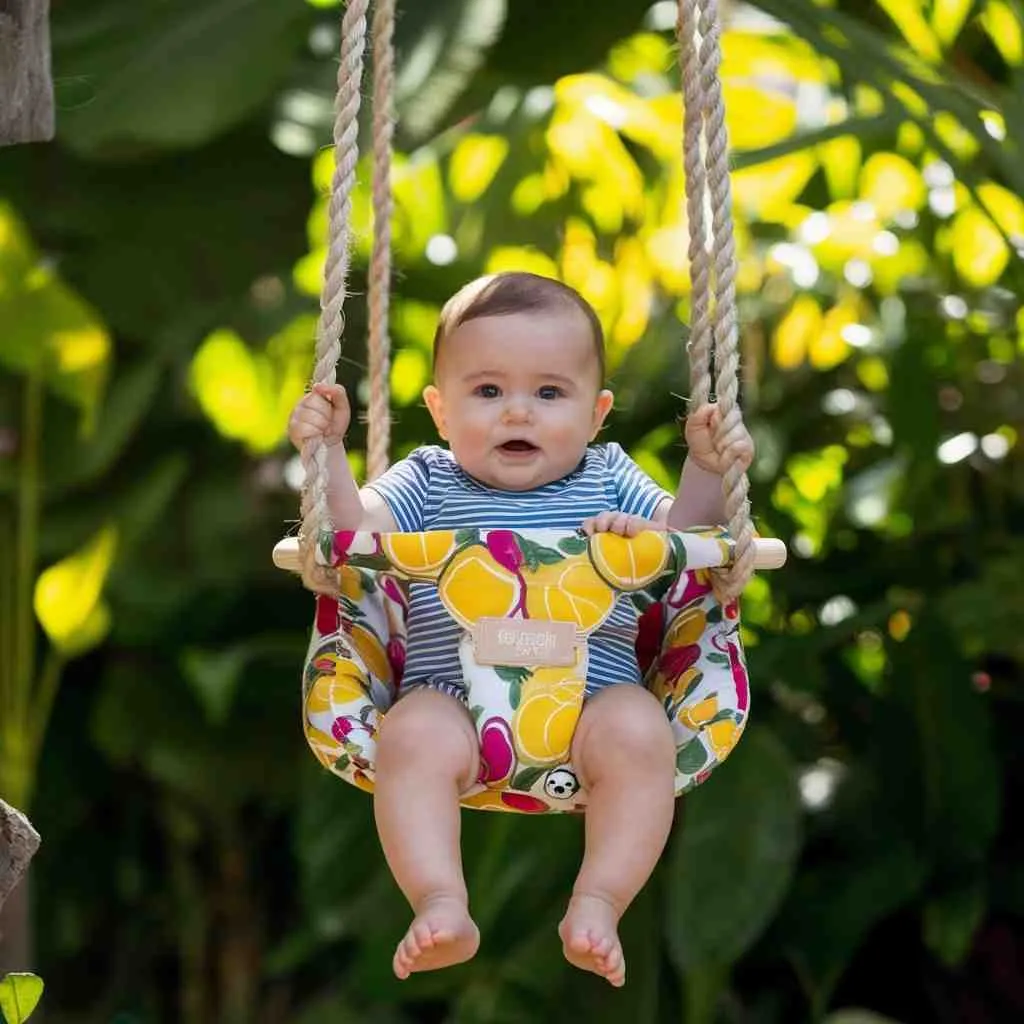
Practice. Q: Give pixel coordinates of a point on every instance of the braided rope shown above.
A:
(702, 91)
(379, 344)
(315, 514)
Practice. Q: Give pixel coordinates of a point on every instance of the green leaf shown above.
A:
(691, 757)
(214, 677)
(951, 921)
(832, 909)
(526, 777)
(731, 863)
(718, 659)
(19, 996)
(464, 537)
(143, 75)
(573, 545)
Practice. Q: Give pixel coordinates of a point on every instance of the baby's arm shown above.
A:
(324, 413)
(699, 500)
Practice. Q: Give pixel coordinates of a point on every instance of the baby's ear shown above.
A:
(602, 406)
(435, 405)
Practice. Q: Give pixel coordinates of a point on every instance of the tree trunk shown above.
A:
(18, 844)
(26, 84)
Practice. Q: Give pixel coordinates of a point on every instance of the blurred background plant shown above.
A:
(159, 268)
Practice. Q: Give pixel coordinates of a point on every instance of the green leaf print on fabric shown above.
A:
(692, 757)
(573, 545)
(524, 779)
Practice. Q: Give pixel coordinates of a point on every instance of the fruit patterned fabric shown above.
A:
(688, 647)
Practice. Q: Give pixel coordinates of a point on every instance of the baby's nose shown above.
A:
(517, 409)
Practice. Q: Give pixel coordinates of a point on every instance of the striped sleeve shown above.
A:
(404, 488)
(635, 492)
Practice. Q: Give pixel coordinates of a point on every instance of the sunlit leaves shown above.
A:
(248, 394)
(891, 183)
(795, 331)
(68, 596)
(810, 491)
(1003, 25)
(768, 190)
(908, 17)
(46, 326)
(474, 163)
(410, 371)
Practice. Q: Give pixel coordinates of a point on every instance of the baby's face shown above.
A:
(518, 397)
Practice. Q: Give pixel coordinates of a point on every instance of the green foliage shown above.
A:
(860, 822)
(19, 996)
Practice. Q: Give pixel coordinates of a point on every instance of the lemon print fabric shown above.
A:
(526, 717)
(544, 723)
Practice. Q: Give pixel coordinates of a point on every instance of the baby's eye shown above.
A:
(550, 391)
(487, 390)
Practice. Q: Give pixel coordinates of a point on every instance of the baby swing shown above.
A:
(527, 600)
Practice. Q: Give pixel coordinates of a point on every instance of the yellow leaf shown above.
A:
(420, 207)
(645, 53)
(636, 293)
(409, 373)
(979, 253)
(1005, 207)
(474, 163)
(891, 184)
(67, 595)
(907, 17)
(948, 17)
(795, 331)
(767, 190)
(756, 115)
(829, 348)
(890, 271)
(853, 228)
(840, 159)
(1003, 25)
(516, 257)
(873, 373)
(19, 995)
(955, 135)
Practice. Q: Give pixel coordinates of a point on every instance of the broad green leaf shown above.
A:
(733, 858)
(951, 921)
(831, 909)
(67, 595)
(47, 325)
(143, 75)
(19, 996)
(214, 677)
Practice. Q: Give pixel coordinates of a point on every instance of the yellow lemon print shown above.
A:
(545, 721)
(722, 737)
(475, 585)
(696, 715)
(687, 628)
(422, 555)
(350, 583)
(331, 692)
(569, 591)
(326, 748)
(371, 651)
(630, 563)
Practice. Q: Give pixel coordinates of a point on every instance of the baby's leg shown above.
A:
(427, 754)
(625, 755)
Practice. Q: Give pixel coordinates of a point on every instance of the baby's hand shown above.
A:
(323, 413)
(619, 522)
(700, 429)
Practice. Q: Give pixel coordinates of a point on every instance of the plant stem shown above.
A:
(703, 985)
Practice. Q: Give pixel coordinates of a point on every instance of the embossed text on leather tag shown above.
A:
(524, 642)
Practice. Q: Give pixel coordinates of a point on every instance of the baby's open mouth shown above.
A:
(518, 446)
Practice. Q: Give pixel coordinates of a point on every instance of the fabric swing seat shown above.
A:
(526, 601)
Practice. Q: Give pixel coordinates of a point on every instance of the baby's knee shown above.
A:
(628, 726)
(428, 731)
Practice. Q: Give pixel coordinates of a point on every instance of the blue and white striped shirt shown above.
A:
(428, 490)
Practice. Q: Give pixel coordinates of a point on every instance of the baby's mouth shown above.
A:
(518, 447)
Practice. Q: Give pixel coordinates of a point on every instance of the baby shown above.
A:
(517, 394)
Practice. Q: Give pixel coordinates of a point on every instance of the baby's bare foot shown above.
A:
(442, 934)
(590, 938)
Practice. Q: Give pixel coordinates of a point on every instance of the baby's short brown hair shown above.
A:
(515, 292)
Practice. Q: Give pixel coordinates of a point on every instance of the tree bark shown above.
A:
(18, 844)
(26, 82)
